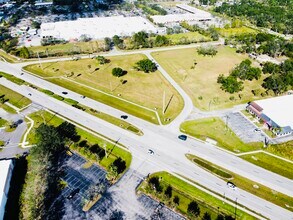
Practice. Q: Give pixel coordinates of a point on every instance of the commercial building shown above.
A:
(97, 28)
(276, 113)
(6, 168)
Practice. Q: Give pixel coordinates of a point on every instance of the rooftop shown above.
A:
(279, 109)
(4, 169)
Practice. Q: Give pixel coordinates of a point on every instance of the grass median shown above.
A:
(248, 185)
(91, 79)
(216, 129)
(187, 193)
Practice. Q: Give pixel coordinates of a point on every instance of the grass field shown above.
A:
(14, 98)
(12, 78)
(228, 32)
(271, 163)
(186, 194)
(138, 87)
(190, 36)
(284, 150)
(78, 47)
(216, 129)
(7, 57)
(249, 186)
(113, 150)
(200, 82)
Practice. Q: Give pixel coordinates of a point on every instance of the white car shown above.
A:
(231, 185)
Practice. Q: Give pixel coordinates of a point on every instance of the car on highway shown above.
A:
(73, 193)
(257, 130)
(231, 185)
(151, 152)
(124, 116)
(30, 94)
(64, 93)
(182, 137)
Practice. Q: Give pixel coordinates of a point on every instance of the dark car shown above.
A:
(124, 116)
(73, 193)
(65, 93)
(182, 137)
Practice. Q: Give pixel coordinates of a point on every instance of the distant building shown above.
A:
(6, 168)
(97, 28)
(276, 113)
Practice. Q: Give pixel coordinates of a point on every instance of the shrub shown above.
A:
(146, 65)
(118, 72)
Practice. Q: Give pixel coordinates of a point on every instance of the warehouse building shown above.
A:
(6, 168)
(97, 28)
(276, 113)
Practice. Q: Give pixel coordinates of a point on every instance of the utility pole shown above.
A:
(40, 64)
(164, 96)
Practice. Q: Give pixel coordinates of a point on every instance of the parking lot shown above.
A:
(243, 128)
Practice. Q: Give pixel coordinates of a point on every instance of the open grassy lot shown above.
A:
(67, 48)
(271, 163)
(228, 32)
(200, 81)
(216, 129)
(284, 150)
(113, 150)
(190, 36)
(251, 186)
(91, 79)
(186, 194)
(14, 98)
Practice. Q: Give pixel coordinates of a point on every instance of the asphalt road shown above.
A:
(169, 154)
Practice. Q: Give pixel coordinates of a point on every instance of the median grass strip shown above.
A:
(216, 129)
(91, 79)
(12, 78)
(250, 186)
(14, 98)
(3, 122)
(271, 163)
(187, 193)
(8, 109)
(113, 150)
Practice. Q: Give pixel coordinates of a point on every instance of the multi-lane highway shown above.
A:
(169, 150)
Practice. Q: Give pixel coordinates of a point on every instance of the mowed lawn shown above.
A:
(216, 129)
(14, 98)
(271, 163)
(190, 36)
(200, 82)
(145, 89)
(228, 32)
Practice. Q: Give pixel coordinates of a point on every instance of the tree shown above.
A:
(161, 41)
(146, 65)
(193, 208)
(120, 165)
(117, 41)
(230, 84)
(102, 60)
(96, 149)
(176, 200)
(207, 50)
(270, 68)
(206, 216)
(118, 72)
(140, 39)
(67, 130)
(168, 192)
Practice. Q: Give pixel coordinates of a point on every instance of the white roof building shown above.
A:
(6, 167)
(278, 109)
(199, 13)
(97, 28)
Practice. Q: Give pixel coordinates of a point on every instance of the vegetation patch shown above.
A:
(283, 150)
(8, 95)
(216, 129)
(248, 185)
(271, 163)
(12, 78)
(187, 199)
(94, 80)
(198, 75)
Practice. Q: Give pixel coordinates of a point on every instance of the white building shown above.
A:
(277, 113)
(6, 167)
(97, 28)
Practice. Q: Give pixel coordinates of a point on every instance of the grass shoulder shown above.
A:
(248, 185)
(214, 128)
(185, 194)
(14, 98)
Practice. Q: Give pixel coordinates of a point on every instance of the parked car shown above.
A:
(73, 193)
(182, 137)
